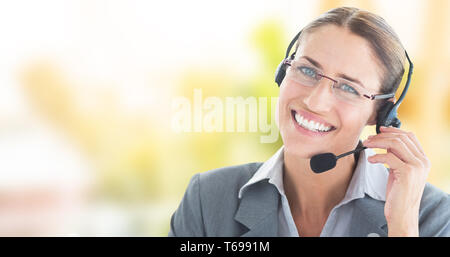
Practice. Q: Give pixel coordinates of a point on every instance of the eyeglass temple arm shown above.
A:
(381, 96)
(287, 61)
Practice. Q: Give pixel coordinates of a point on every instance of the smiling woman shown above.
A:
(361, 56)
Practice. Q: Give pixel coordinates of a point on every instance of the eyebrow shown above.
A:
(341, 75)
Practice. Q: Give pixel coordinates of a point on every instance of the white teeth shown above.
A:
(298, 118)
(311, 125)
(316, 126)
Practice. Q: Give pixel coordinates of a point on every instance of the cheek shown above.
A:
(288, 94)
(352, 120)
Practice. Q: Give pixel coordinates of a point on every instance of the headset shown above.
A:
(386, 116)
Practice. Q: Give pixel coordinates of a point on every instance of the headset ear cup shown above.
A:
(280, 73)
(387, 116)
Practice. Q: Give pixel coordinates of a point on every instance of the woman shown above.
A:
(354, 52)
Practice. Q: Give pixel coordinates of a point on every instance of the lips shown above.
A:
(311, 122)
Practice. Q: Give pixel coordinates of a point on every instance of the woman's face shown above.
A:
(338, 52)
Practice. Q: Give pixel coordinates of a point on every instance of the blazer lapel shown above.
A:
(258, 210)
(368, 218)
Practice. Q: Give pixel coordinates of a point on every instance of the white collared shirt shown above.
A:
(368, 178)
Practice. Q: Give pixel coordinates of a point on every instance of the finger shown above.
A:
(405, 138)
(422, 159)
(417, 150)
(416, 141)
(409, 134)
(394, 145)
(389, 158)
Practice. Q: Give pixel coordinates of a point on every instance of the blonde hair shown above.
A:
(381, 37)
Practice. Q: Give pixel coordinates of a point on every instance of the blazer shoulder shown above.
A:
(433, 198)
(219, 189)
(228, 177)
(222, 185)
(210, 202)
(434, 214)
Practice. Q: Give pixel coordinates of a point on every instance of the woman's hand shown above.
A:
(409, 168)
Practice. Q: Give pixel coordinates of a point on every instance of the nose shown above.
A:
(321, 97)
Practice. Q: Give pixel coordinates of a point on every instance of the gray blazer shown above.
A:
(211, 207)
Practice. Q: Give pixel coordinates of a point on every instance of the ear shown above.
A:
(373, 118)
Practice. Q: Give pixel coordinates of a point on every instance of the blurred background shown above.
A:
(87, 144)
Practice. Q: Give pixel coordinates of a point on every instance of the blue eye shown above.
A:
(308, 71)
(349, 89)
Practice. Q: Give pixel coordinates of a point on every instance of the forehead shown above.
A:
(338, 50)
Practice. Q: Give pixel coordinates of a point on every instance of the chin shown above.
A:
(304, 150)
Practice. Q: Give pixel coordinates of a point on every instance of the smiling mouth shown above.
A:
(310, 124)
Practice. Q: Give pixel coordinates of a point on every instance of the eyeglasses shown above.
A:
(305, 74)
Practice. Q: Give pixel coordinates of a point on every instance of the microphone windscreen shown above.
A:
(323, 162)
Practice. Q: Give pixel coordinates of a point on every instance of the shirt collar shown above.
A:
(368, 178)
(272, 170)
